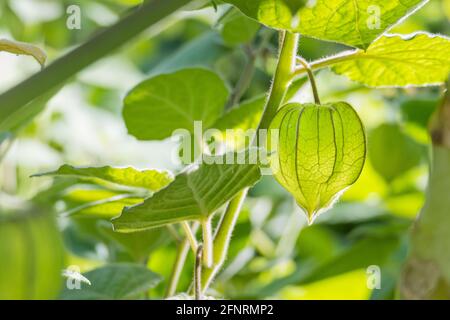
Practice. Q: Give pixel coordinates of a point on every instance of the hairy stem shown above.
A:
(190, 235)
(282, 79)
(183, 250)
(180, 260)
(222, 238)
(149, 13)
(207, 243)
(198, 292)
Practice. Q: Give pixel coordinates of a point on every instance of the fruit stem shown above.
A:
(312, 80)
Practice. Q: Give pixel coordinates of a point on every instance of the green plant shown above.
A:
(328, 140)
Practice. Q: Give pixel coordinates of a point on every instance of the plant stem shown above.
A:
(426, 273)
(222, 238)
(103, 43)
(198, 292)
(328, 61)
(282, 79)
(312, 80)
(207, 243)
(280, 85)
(180, 260)
(190, 236)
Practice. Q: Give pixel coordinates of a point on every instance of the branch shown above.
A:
(15, 99)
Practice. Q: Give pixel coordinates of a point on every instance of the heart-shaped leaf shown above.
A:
(160, 105)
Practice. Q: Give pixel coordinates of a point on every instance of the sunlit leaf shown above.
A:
(160, 105)
(153, 180)
(354, 22)
(106, 208)
(194, 194)
(320, 151)
(394, 60)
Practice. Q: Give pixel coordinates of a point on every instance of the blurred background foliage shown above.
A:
(274, 253)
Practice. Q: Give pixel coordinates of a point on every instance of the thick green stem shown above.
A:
(198, 292)
(98, 46)
(280, 85)
(427, 272)
(180, 260)
(282, 78)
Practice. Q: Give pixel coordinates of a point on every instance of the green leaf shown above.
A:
(354, 22)
(31, 255)
(320, 151)
(392, 152)
(15, 47)
(160, 105)
(278, 14)
(153, 180)
(239, 119)
(194, 194)
(105, 208)
(238, 28)
(395, 60)
(114, 282)
(138, 244)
